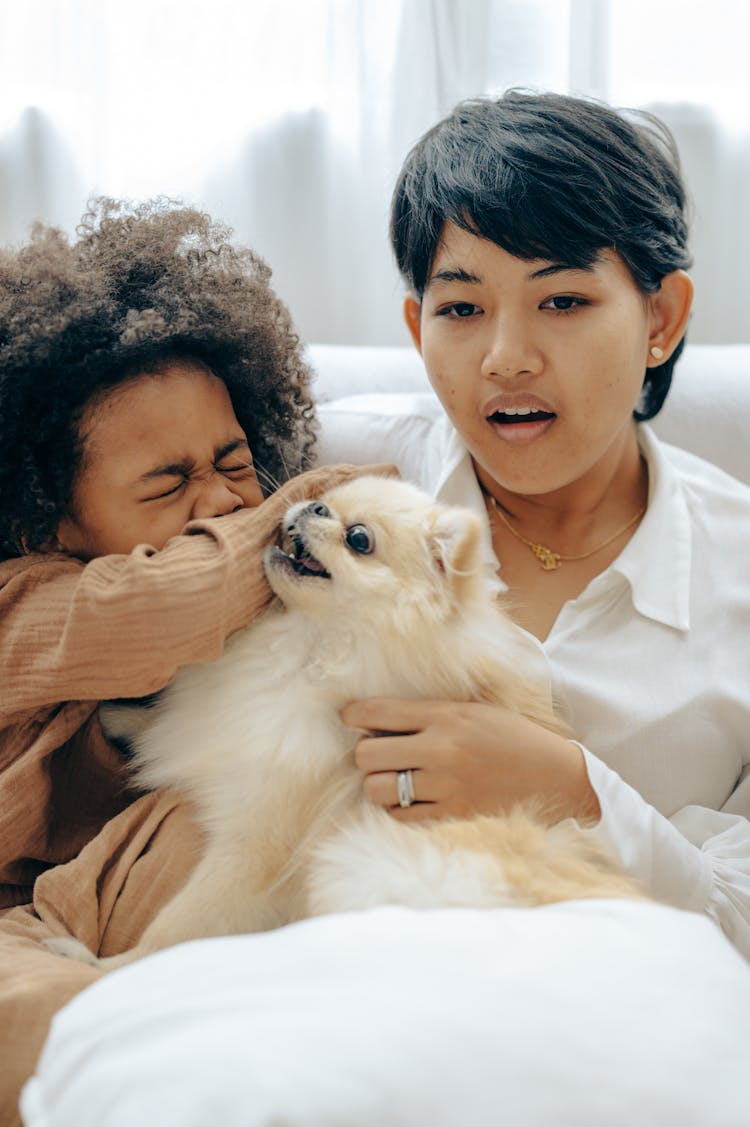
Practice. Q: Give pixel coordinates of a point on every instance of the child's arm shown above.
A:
(121, 626)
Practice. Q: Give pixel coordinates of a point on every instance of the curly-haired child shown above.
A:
(150, 382)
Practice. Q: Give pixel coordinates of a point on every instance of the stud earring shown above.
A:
(656, 352)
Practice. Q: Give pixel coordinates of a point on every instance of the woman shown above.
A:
(543, 242)
(150, 383)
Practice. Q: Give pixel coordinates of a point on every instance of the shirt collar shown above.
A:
(655, 562)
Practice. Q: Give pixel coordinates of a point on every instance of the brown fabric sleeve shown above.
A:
(121, 626)
(60, 781)
(33, 987)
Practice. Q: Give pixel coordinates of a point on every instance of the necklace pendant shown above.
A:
(549, 560)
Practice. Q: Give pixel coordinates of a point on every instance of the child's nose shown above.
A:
(217, 497)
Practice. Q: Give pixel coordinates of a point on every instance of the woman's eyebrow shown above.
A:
(559, 268)
(456, 274)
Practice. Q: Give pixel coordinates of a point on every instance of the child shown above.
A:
(150, 383)
(543, 242)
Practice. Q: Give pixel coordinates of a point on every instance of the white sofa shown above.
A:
(707, 410)
(585, 1014)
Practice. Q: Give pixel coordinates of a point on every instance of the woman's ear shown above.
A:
(413, 318)
(670, 311)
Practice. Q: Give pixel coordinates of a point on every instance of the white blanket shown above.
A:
(585, 1014)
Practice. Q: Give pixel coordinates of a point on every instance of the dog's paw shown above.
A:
(71, 948)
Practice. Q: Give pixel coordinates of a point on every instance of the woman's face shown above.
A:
(158, 451)
(539, 366)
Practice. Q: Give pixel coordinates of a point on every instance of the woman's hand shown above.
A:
(467, 759)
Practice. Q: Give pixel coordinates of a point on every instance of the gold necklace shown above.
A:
(550, 560)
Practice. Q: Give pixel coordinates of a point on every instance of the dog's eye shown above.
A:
(359, 539)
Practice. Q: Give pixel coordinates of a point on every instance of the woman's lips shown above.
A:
(520, 423)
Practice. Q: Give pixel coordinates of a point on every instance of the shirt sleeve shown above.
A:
(121, 626)
(698, 860)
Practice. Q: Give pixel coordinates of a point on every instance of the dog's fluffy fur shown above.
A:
(255, 740)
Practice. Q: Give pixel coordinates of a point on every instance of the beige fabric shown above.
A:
(105, 897)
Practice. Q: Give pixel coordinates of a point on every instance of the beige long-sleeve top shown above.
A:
(72, 635)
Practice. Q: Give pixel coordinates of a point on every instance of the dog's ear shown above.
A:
(455, 537)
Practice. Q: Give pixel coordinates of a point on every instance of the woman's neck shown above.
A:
(551, 545)
(570, 518)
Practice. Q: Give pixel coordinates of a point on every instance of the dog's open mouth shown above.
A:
(303, 561)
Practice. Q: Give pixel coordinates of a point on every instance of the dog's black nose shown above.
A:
(317, 508)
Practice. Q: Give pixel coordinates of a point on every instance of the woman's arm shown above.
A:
(478, 758)
(698, 860)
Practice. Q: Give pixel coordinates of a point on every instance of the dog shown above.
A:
(379, 592)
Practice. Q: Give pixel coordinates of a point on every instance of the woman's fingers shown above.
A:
(386, 714)
(391, 753)
(381, 787)
(472, 758)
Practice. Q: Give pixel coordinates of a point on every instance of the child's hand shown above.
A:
(467, 759)
(308, 486)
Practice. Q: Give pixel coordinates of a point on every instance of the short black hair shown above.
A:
(548, 176)
(140, 286)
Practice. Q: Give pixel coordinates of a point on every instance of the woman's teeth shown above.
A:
(521, 415)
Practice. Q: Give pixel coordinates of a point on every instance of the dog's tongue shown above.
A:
(310, 563)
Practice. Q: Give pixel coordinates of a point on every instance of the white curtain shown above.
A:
(289, 119)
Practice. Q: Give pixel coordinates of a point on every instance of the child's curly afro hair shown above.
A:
(140, 285)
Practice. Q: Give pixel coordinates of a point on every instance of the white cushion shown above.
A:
(581, 1014)
(707, 410)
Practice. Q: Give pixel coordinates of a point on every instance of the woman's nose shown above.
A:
(510, 350)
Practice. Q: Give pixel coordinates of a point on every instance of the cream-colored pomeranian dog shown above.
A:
(380, 592)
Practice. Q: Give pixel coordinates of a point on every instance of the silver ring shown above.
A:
(405, 787)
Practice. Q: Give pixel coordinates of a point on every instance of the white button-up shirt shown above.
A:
(651, 662)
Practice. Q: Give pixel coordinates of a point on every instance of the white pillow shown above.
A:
(706, 410)
(585, 1014)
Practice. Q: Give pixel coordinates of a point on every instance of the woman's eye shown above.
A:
(563, 303)
(359, 539)
(459, 309)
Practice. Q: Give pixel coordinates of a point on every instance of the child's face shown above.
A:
(159, 450)
(502, 337)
